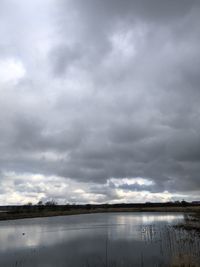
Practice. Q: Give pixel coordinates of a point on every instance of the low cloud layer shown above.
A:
(98, 91)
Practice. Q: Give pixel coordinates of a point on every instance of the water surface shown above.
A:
(107, 239)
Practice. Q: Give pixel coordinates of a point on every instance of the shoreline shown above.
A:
(28, 214)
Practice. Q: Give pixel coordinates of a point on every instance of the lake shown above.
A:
(94, 240)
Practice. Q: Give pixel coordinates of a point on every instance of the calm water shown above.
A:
(94, 240)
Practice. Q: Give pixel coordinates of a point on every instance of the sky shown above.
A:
(99, 101)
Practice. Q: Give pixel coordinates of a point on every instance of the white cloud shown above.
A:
(23, 188)
(123, 44)
(131, 181)
(142, 197)
(11, 71)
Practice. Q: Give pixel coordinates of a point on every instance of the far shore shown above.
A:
(21, 212)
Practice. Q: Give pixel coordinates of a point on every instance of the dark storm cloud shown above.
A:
(64, 56)
(150, 116)
(154, 10)
(111, 90)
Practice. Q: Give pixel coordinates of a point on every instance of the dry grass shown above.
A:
(184, 261)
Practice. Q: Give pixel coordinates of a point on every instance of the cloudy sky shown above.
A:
(99, 100)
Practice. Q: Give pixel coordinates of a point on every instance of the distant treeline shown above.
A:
(52, 205)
